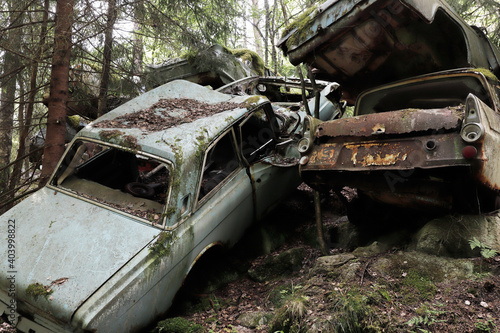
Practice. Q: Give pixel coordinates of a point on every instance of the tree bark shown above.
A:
(8, 92)
(25, 120)
(137, 44)
(106, 61)
(255, 23)
(266, 38)
(56, 119)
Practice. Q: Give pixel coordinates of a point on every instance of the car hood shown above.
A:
(365, 43)
(69, 246)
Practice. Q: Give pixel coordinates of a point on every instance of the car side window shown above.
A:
(220, 162)
(257, 137)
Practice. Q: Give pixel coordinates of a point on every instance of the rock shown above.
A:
(339, 266)
(328, 263)
(371, 250)
(434, 268)
(344, 234)
(254, 319)
(450, 235)
(281, 265)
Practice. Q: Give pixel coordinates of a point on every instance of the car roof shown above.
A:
(179, 115)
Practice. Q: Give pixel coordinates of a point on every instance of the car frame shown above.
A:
(97, 251)
(428, 143)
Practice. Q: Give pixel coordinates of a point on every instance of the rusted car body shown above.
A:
(365, 43)
(138, 197)
(425, 131)
(428, 142)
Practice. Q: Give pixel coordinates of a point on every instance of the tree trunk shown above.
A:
(255, 23)
(106, 61)
(266, 37)
(16, 172)
(25, 120)
(274, 56)
(56, 119)
(8, 92)
(137, 45)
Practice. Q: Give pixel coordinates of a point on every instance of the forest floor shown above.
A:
(221, 296)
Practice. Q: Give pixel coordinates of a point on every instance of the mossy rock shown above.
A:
(432, 267)
(254, 319)
(371, 250)
(344, 234)
(451, 235)
(178, 325)
(283, 264)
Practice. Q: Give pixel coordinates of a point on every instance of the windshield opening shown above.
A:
(132, 183)
(429, 93)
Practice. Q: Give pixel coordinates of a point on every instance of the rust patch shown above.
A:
(394, 122)
(377, 158)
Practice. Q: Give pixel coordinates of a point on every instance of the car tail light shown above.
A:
(469, 152)
(472, 132)
(472, 129)
(304, 145)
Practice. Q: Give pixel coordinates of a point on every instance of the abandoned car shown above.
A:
(138, 197)
(426, 127)
(428, 142)
(361, 44)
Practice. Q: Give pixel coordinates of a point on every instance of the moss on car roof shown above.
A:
(171, 117)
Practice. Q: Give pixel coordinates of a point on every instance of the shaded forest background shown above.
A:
(83, 57)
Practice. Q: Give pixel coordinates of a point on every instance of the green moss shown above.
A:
(170, 212)
(130, 141)
(178, 325)
(251, 102)
(176, 174)
(163, 243)
(303, 24)
(486, 72)
(418, 281)
(252, 57)
(352, 312)
(74, 121)
(37, 289)
(108, 135)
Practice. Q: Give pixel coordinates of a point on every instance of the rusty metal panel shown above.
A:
(489, 172)
(395, 122)
(427, 151)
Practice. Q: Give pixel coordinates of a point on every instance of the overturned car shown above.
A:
(426, 127)
(138, 197)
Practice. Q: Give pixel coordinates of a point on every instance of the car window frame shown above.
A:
(269, 113)
(168, 164)
(200, 202)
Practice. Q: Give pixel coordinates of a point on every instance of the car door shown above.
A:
(258, 138)
(224, 203)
